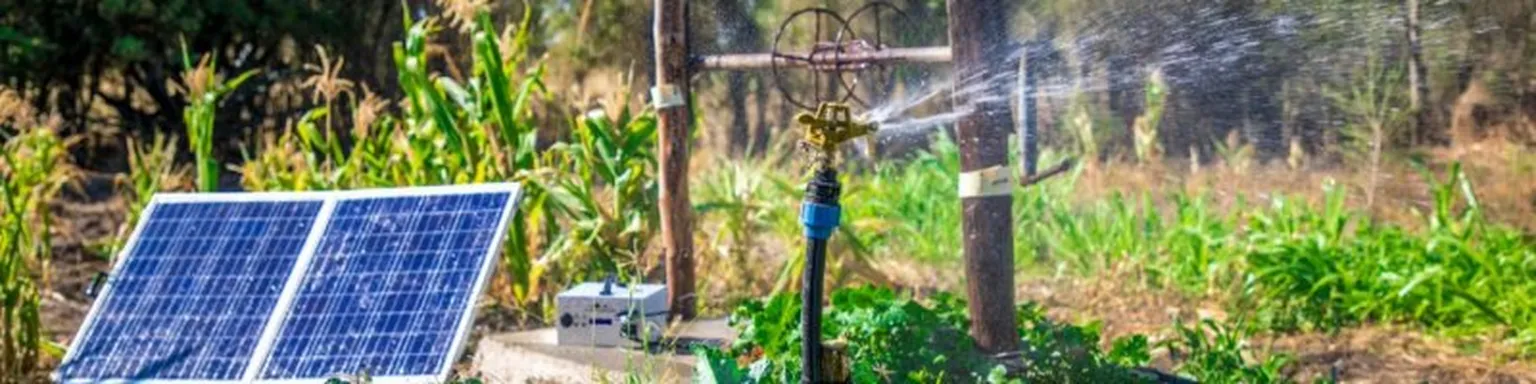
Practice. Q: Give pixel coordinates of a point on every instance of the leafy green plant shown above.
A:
(891, 338)
(1215, 353)
(1068, 353)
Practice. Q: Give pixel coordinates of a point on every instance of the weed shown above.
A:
(1215, 353)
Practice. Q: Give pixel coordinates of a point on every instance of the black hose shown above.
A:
(810, 310)
(820, 213)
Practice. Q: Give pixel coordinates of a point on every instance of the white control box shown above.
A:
(596, 314)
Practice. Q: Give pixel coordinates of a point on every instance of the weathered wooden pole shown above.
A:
(977, 36)
(669, 96)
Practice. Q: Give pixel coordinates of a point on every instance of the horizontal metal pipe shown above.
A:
(823, 61)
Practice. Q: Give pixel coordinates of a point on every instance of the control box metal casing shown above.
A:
(586, 316)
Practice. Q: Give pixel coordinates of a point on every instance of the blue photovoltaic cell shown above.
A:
(387, 287)
(191, 297)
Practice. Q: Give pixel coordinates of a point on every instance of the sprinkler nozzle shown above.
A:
(831, 126)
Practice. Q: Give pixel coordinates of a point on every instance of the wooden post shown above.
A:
(977, 35)
(1029, 133)
(670, 97)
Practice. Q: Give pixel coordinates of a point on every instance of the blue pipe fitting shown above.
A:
(820, 220)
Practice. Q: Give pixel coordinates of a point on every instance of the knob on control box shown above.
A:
(592, 313)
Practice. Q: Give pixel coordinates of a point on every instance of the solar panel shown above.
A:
(280, 286)
(191, 296)
(388, 286)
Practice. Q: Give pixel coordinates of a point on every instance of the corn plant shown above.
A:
(446, 133)
(610, 202)
(895, 206)
(204, 89)
(1148, 149)
(1235, 154)
(1330, 269)
(497, 60)
(21, 331)
(1081, 124)
(35, 169)
(152, 168)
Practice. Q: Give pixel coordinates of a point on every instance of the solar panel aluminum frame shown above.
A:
(272, 328)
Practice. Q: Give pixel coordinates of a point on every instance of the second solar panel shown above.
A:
(388, 287)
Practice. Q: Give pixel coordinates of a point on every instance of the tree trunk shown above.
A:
(1418, 81)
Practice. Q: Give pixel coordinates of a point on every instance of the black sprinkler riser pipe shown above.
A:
(810, 311)
(824, 189)
(821, 214)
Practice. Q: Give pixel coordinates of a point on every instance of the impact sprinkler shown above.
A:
(825, 131)
(830, 127)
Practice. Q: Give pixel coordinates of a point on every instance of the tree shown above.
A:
(71, 55)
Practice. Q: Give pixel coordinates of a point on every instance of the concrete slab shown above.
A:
(532, 357)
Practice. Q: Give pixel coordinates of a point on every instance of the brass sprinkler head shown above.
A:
(830, 127)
